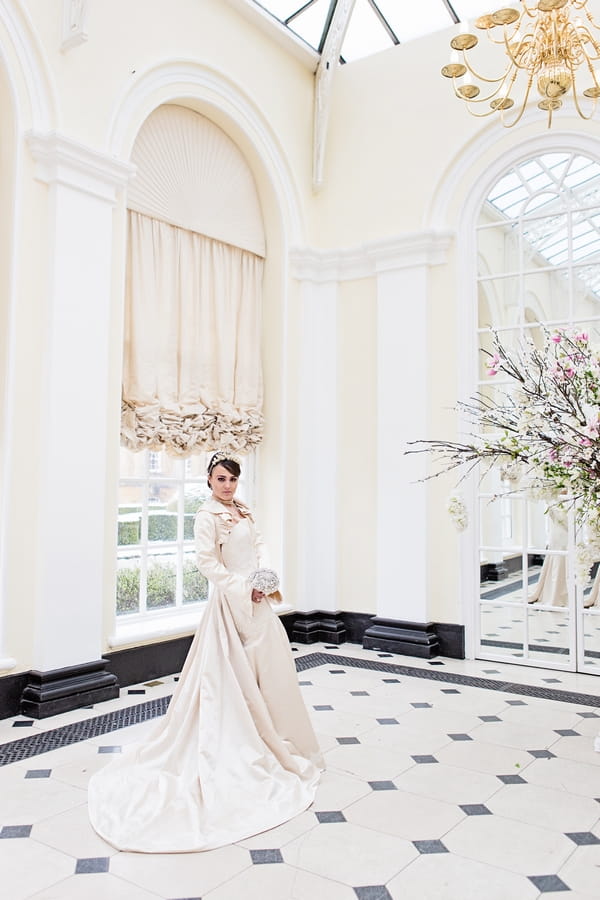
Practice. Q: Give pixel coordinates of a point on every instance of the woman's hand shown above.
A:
(257, 596)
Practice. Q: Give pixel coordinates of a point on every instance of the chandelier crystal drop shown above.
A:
(552, 47)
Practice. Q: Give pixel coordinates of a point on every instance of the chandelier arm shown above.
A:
(480, 77)
(578, 107)
(523, 105)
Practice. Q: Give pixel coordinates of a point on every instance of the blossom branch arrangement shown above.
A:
(542, 426)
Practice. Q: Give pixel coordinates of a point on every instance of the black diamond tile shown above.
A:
(330, 816)
(388, 721)
(548, 883)
(360, 693)
(16, 831)
(38, 773)
(136, 691)
(475, 809)
(492, 671)
(460, 737)
(511, 779)
(176, 678)
(23, 724)
(542, 754)
(435, 662)
(305, 683)
(385, 655)
(348, 740)
(567, 732)
(422, 705)
(422, 759)
(337, 671)
(450, 691)
(430, 847)
(589, 715)
(582, 838)
(294, 649)
(92, 865)
(383, 786)
(261, 857)
(516, 703)
(115, 749)
(322, 708)
(489, 718)
(373, 892)
(391, 681)
(552, 680)
(331, 647)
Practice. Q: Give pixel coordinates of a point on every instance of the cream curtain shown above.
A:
(191, 370)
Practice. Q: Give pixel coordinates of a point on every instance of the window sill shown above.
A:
(162, 625)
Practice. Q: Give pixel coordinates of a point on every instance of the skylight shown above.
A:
(374, 25)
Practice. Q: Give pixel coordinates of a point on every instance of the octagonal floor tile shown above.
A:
(412, 817)
(350, 854)
(518, 847)
(447, 877)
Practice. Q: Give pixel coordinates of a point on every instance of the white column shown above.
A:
(69, 555)
(402, 399)
(317, 447)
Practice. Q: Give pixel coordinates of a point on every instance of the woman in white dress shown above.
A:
(236, 753)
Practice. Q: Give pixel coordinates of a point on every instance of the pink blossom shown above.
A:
(582, 336)
(493, 365)
(585, 442)
(557, 337)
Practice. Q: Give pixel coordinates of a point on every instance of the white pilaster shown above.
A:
(317, 487)
(402, 398)
(83, 188)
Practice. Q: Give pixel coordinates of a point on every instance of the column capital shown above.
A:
(60, 160)
(406, 251)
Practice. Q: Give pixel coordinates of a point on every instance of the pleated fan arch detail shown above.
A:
(191, 174)
(192, 378)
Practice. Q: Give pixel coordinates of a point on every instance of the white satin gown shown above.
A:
(236, 753)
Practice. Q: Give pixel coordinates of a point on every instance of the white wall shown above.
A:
(405, 171)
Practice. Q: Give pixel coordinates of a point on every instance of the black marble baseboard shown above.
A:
(61, 690)
(407, 638)
(138, 664)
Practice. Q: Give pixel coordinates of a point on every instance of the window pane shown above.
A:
(161, 581)
(128, 584)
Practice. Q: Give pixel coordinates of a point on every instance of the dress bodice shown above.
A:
(239, 552)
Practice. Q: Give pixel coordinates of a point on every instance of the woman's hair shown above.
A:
(231, 463)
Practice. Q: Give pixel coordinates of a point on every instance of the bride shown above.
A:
(236, 753)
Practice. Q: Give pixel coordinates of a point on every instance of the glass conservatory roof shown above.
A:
(373, 25)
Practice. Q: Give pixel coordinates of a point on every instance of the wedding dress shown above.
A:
(235, 754)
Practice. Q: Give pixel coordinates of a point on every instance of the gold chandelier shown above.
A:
(548, 43)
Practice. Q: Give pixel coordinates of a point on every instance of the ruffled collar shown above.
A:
(219, 509)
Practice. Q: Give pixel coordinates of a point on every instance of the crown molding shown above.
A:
(425, 248)
(60, 160)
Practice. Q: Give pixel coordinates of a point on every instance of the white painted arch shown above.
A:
(212, 93)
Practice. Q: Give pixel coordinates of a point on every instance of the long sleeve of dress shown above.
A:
(234, 586)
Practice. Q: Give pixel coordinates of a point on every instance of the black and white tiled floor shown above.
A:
(449, 780)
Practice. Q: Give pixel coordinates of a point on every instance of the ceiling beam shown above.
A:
(324, 81)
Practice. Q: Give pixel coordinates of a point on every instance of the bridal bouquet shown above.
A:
(540, 424)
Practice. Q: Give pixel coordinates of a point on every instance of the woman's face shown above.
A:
(223, 484)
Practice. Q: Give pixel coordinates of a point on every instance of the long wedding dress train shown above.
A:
(234, 755)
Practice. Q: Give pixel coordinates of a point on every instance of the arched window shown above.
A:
(538, 244)
(192, 379)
